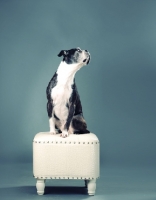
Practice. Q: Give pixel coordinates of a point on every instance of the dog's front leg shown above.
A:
(67, 124)
(52, 125)
(51, 117)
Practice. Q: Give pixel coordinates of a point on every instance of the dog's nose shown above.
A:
(86, 50)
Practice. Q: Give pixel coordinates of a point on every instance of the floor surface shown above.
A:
(115, 183)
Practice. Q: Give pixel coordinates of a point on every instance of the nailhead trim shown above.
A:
(54, 177)
(61, 142)
(70, 142)
(56, 142)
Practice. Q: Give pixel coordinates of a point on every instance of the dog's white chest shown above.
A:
(60, 95)
(62, 91)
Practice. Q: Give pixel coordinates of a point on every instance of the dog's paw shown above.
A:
(52, 132)
(64, 134)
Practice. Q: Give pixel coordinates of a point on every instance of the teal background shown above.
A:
(117, 88)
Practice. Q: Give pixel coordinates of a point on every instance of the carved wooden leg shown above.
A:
(40, 185)
(91, 186)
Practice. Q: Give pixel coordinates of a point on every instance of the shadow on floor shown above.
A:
(66, 190)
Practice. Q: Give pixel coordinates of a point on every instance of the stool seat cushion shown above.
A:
(74, 157)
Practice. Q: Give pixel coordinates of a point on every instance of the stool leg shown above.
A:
(40, 185)
(91, 186)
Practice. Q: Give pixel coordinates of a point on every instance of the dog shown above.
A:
(64, 106)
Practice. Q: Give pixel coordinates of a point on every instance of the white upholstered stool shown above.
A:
(74, 157)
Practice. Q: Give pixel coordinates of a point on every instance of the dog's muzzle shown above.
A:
(88, 57)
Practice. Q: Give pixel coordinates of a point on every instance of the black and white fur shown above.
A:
(64, 105)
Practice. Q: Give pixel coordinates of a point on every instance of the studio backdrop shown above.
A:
(117, 88)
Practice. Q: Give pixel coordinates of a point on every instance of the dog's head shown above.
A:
(75, 55)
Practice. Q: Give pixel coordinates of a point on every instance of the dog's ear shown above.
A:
(63, 53)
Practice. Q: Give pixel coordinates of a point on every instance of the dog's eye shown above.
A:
(79, 50)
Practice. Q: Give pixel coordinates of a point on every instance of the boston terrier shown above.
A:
(64, 105)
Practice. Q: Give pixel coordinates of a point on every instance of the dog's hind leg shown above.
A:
(79, 125)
